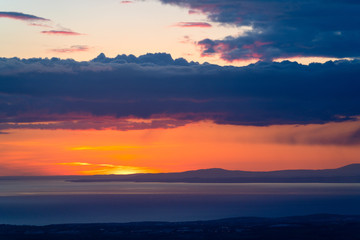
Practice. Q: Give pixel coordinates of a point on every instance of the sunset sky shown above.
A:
(119, 87)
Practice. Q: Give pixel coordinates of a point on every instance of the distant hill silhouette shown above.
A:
(346, 174)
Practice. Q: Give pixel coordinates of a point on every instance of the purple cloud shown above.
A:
(324, 28)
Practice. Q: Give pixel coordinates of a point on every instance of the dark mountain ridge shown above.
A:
(346, 174)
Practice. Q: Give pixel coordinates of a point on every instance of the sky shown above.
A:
(119, 87)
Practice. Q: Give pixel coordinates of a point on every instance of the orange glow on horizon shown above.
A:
(193, 146)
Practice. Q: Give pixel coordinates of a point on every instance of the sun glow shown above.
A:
(106, 169)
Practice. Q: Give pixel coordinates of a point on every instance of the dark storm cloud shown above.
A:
(156, 86)
(328, 28)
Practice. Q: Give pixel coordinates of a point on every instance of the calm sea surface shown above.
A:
(42, 202)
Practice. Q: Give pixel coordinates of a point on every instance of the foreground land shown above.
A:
(313, 227)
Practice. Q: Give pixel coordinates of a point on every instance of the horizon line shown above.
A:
(193, 170)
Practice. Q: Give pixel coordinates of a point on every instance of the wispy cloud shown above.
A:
(192, 11)
(61, 32)
(75, 48)
(76, 164)
(21, 16)
(192, 24)
(36, 21)
(187, 39)
(39, 25)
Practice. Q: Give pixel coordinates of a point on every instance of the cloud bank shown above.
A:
(155, 86)
(282, 29)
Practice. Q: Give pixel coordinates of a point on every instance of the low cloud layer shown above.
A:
(95, 123)
(155, 86)
(282, 29)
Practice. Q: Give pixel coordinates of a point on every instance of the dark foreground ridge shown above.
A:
(346, 174)
(312, 227)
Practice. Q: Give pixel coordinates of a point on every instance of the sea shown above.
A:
(57, 201)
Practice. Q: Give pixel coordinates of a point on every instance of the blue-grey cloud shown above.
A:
(161, 59)
(21, 16)
(282, 29)
(156, 86)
